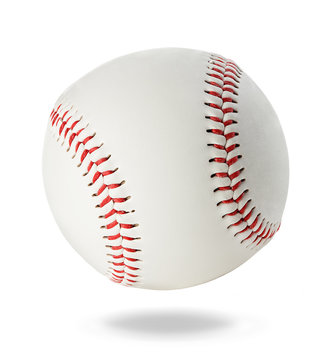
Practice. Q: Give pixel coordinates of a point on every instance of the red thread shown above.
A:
(64, 130)
(225, 75)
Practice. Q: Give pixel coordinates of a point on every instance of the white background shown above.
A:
(53, 305)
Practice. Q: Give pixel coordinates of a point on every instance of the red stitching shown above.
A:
(115, 267)
(225, 75)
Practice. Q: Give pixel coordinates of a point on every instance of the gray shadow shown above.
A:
(168, 322)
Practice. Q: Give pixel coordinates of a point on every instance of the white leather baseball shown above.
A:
(166, 168)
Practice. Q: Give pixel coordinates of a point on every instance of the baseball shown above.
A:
(165, 168)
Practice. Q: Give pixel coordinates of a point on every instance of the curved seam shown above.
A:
(123, 259)
(223, 77)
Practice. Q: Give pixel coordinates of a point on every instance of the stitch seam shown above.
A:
(237, 209)
(120, 237)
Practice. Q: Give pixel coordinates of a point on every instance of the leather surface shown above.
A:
(148, 111)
